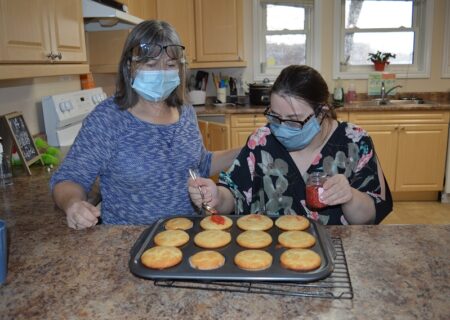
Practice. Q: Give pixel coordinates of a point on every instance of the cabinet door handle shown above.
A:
(59, 56)
(51, 56)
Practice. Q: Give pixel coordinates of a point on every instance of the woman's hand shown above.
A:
(209, 188)
(81, 215)
(336, 190)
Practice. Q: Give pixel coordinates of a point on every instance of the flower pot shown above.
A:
(379, 66)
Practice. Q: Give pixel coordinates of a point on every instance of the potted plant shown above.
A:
(380, 59)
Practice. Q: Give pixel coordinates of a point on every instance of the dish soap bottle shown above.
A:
(338, 94)
(351, 93)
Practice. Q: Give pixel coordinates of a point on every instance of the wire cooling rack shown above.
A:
(337, 285)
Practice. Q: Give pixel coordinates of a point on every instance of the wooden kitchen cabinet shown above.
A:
(144, 9)
(411, 147)
(41, 32)
(211, 30)
(342, 116)
(215, 135)
(219, 34)
(182, 20)
(34, 30)
(242, 126)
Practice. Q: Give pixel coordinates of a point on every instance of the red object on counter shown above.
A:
(218, 219)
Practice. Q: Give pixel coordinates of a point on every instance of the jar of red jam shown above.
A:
(314, 188)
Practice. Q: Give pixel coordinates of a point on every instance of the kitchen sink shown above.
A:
(395, 102)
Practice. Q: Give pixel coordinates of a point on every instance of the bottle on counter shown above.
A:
(351, 93)
(5, 168)
(338, 94)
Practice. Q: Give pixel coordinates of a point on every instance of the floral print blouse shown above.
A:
(264, 177)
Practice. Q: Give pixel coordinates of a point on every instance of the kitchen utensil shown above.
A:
(201, 79)
(194, 174)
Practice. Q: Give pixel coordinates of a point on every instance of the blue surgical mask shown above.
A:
(155, 85)
(295, 138)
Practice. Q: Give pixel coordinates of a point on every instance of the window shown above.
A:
(402, 27)
(283, 36)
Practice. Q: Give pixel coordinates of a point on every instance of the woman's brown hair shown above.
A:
(305, 83)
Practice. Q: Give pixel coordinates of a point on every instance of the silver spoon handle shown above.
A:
(193, 175)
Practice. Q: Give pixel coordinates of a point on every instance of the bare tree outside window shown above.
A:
(379, 25)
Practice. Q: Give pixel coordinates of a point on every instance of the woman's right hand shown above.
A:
(81, 215)
(209, 189)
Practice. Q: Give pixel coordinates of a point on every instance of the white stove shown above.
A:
(64, 113)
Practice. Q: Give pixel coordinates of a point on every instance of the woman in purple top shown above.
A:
(140, 143)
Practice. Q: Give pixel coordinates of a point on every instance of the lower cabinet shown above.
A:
(411, 146)
(242, 126)
(215, 135)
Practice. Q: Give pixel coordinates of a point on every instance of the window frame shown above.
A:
(313, 43)
(422, 46)
(446, 42)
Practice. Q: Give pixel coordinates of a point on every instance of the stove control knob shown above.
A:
(69, 106)
(62, 107)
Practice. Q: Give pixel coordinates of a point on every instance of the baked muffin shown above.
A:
(160, 257)
(254, 222)
(292, 222)
(178, 224)
(211, 239)
(253, 260)
(300, 259)
(254, 239)
(207, 260)
(296, 239)
(171, 238)
(216, 222)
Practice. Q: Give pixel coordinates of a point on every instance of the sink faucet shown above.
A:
(385, 93)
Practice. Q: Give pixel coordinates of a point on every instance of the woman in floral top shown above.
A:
(302, 136)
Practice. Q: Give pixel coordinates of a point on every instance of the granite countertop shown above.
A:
(397, 272)
(211, 109)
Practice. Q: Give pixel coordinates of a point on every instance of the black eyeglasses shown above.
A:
(275, 119)
(153, 51)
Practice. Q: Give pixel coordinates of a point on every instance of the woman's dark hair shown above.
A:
(150, 31)
(306, 83)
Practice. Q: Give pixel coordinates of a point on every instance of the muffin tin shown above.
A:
(229, 271)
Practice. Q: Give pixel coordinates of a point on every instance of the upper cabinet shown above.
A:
(40, 32)
(211, 31)
(218, 34)
(144, 9)
(182, 20)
